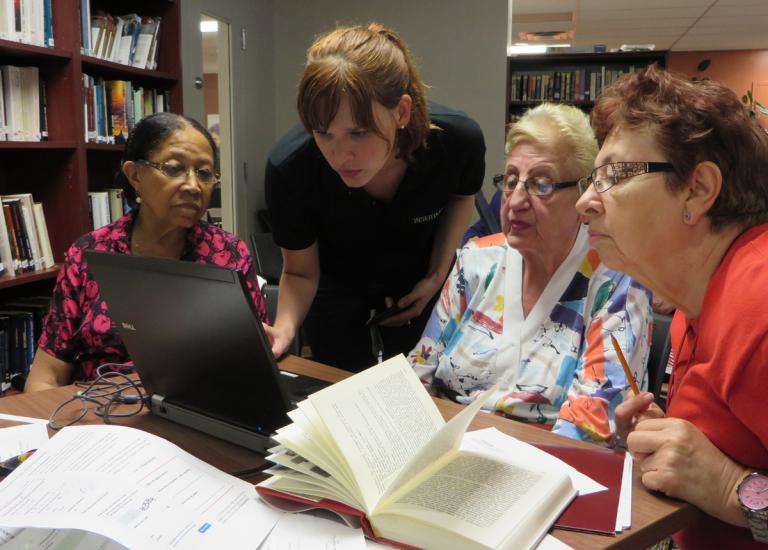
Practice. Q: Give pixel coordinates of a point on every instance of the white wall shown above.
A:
(459, 46)
(253, 91)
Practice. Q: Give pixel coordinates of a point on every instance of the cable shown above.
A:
(101, 394)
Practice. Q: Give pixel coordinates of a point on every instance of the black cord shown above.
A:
(102, 393)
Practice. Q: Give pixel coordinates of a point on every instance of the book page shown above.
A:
(134, 488)
(447, 439)
(379, 419)
(479, 498)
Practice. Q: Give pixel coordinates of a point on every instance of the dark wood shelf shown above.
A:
(116, 147)
(38, 145)
(118, 70)
(29, 53)
(533, 103)
(545, 67)
(7, 281)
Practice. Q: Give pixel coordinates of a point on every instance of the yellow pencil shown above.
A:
(623, 362)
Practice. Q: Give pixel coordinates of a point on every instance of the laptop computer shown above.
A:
(198, 346)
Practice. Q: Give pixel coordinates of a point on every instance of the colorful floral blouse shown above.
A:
(78, 329)
(559, 360)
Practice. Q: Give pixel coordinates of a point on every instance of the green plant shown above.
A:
(753, 107)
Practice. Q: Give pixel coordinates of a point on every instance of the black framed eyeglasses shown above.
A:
(606, 176)
(537, 185)
(178, 172)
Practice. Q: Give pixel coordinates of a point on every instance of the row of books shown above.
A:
(104, 207)
(21, 323)
(129, 39)
(112, 107)
(24, 242)
(578, 85)
(27, 21)
(23, 113)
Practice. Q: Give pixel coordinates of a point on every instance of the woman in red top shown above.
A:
(169, 170)
(679, 201)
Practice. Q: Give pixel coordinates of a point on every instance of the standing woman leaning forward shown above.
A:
(679, 200)
(368, 199)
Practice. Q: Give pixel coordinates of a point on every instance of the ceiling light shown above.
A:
(209, 26)
(517, 49)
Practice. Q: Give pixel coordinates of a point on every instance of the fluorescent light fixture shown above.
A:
(520, 48)
(558, 45)
(209, 26)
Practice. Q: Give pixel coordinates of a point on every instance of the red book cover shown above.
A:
(595, 512)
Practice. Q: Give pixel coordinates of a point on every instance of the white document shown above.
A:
(492, 441)
(551, 543)
(135, 488)
(308, 531)
(624, 513)
(20, 439)
(58, 539)
(24, 419)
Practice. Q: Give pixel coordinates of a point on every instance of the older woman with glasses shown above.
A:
(680, 201)
(169, 169)
(531, 305)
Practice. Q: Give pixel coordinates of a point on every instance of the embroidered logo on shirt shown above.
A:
(427, 217)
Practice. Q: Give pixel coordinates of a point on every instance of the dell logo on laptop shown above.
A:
(128, 326)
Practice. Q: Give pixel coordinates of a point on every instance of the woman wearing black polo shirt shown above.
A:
(368, 198)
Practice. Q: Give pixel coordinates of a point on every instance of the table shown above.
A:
(653, 516)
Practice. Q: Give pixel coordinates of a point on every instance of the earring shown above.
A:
(402, 127)
(687, 217)
(138, 200)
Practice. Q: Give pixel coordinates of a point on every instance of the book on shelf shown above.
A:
(375, 447)
(27, 21)
(22, 102)
(24, 240)
(112, 108)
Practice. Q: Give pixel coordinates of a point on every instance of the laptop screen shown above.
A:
(194, 336)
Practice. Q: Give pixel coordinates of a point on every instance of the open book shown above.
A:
(376, 446)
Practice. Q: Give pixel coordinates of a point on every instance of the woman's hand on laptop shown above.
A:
(280, 339)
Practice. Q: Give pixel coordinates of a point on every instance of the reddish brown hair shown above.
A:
(693, 122)
(364, 64)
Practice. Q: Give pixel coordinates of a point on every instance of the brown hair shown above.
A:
(364, 64)
(693, 122)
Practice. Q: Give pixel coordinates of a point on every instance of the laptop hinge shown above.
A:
(212, 426)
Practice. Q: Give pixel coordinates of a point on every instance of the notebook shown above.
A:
(198, 346)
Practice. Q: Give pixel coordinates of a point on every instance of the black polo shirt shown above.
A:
(365, 245)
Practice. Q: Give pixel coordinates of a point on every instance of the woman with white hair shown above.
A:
(532, 304)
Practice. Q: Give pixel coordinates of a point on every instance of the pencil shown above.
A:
(623, 362)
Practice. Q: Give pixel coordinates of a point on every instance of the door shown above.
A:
(244, 67)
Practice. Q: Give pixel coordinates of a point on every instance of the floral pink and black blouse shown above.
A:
(78, 328)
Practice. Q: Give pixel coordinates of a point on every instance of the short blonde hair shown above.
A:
(564, 129)
(364, 64)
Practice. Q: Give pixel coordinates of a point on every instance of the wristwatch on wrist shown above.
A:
(752, 493)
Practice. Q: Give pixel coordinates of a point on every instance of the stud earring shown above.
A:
(138, 200)
(687, 216)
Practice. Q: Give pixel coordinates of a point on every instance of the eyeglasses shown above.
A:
(606, 176)
(178, 172)
(537, 185)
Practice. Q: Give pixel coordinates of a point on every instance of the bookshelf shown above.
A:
(575, 79)
(61, 171)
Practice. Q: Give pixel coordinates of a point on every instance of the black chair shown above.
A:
(268, 260)
(659, 354)
(267, 257)
(485, 213)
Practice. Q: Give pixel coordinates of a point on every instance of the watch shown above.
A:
(752, 493)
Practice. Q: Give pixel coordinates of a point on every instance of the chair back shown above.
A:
(267, 256)
(659, 354)
(485, 213)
